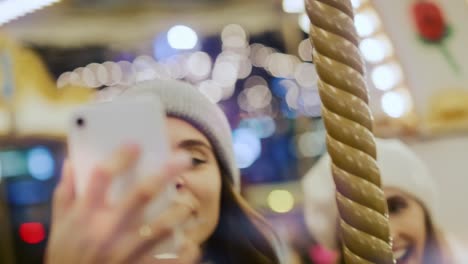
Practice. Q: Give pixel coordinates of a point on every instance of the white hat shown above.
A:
(399, 167)
(182, 100)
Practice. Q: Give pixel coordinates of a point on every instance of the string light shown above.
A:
(211, 90)
(247, 147)
(374, 50)
(305, 50)
(182, 37)
(199, 65)
(306, 75)
(312, 143)
(395, 104)
(386, 76)
(293, 6)
(304, 22)
(366, 22)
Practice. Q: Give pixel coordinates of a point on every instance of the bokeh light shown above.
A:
(306, 75)
(263, 126)
(89, 78)
(243, 102)
(375, 49)
(305, 50)
(356, 3)
(225, 74)
(32, 232)
(143, 66)
(128, 73)
(304, 22)
(245, 67)
(74, 78)
(254, 80)
(282, 65)
(211, 89)
(182, 37)
(386, 76)
(395, 103)
(162, 71)
(366, 22)
(63, 80)
(281, 201)
(199, 65)
(176, 66)
(310, 103)
(114, 74)
(311, 143)
(259, 54)
(292, 94)
(234, 37)
(41, 164)
(293, 6)
(259, 96)
(247, 147)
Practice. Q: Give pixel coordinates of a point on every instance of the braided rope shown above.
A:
(361, 203)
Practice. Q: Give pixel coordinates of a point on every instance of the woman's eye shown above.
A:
(396, 205)
(197, 161)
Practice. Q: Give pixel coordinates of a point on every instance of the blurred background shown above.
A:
(251, 57)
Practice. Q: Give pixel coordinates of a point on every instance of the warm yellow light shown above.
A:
(280, 201)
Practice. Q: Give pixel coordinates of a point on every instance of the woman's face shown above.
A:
(407, 226)
(202, 182)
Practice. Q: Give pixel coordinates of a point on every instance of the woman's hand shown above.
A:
(87, 229)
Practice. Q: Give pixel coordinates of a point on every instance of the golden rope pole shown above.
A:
(364, 228)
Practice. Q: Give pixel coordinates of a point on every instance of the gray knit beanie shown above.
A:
(183, 101)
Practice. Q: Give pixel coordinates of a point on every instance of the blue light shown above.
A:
(247, 147)
(161, 48)
(287, 112)
(263, 126)
(28, 192)
(278, 87)
(41, 164)
(12, 164)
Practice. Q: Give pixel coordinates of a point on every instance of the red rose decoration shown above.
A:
(429, 21)
(432, 28)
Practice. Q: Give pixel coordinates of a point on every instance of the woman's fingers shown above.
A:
(119, 163)
(64, 194)
(152, 186)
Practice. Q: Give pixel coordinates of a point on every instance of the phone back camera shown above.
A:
(80, 122)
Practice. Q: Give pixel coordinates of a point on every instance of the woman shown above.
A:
(218, 224)
(412, 202)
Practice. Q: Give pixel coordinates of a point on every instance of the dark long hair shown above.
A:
(242, 236)
(436, 250)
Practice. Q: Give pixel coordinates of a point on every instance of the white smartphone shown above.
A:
(96, 130)
(99, 129)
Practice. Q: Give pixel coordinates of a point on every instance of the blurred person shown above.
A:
(412, 203)
(219, 226)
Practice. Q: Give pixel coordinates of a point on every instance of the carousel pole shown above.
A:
(364, 227)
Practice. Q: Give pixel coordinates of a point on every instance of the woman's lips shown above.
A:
(401, 255)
